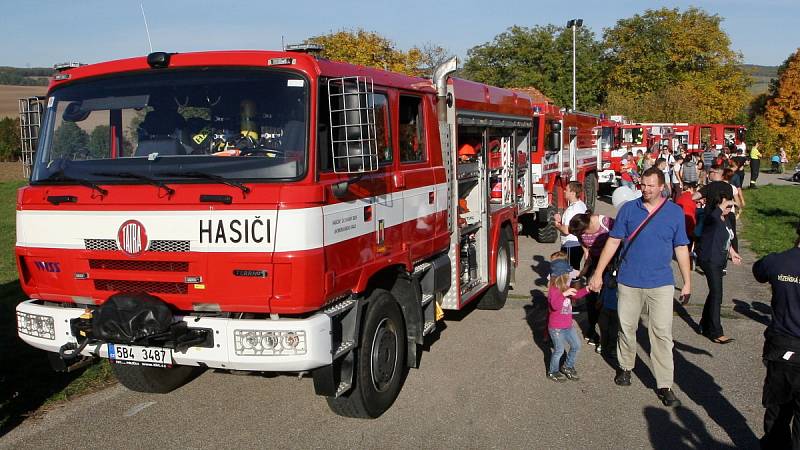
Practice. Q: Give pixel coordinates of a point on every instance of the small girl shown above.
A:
(559, 323)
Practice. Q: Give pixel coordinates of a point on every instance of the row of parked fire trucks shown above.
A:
(279, 212)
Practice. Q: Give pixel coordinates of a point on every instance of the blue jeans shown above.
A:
(561, 337)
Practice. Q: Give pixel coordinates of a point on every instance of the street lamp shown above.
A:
(574, 24)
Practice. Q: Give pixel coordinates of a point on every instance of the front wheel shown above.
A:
(380, 367)
(155, 380)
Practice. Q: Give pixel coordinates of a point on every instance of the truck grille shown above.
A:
(154, 246)
(161, 287)
(168, 246)
(100, 244)
(146, 266)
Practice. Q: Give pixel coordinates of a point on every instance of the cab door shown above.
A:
(415, 179)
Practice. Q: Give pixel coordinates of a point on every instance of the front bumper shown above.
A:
(227, 351)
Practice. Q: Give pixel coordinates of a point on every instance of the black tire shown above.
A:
(380, 364)
(156, 380)
(546, 232)
(590, 190)
(495, 298)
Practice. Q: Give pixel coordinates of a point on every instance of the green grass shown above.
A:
(770, 218)
(26, 380)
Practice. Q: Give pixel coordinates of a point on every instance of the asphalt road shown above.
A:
(482, 384)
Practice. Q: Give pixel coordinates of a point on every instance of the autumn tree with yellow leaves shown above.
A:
(672, 65)
(782, 110)
(370, 49)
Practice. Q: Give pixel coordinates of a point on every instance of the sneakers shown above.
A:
(598, 349)
(623, 378)
(557, 377)
(570, 373)
(667, 397)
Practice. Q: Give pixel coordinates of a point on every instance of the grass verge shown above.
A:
(26, 380)
(770, 217)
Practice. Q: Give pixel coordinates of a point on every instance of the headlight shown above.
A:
(269, 343)
(36, 325)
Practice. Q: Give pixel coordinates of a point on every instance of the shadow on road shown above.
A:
(687, 431)
(536, 313)
(755, 310)
(540, 267)
(26, 378)
(701, 388)
(681, 311)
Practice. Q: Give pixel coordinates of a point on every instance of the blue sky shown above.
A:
(39, 33)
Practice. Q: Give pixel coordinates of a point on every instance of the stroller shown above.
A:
(796, 175)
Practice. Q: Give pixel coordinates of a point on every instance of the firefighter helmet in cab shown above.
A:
(467, 152)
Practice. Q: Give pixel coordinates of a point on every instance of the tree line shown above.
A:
(662, 65)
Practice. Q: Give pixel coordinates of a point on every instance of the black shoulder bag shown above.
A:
(620, 256)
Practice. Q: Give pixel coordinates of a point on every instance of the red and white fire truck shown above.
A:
(269, 211)
(717, 136)
(566, 148)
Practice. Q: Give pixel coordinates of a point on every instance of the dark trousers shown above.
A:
(586, 315)
(710, 323)
(609, 328)
(755, 166)
(574, 256)
(782, 402)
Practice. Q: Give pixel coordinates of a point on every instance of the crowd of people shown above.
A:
(684, 208)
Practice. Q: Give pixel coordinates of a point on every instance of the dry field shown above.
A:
(11, 171)
(10, 95)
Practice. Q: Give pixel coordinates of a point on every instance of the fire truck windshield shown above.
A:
(236, 124)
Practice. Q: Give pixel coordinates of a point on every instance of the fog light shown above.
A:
(36, 325)
(291, 340)
(269, 342)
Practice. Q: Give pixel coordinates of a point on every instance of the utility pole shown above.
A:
(574, 24)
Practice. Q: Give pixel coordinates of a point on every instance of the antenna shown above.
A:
(283, 44)
(146, 28)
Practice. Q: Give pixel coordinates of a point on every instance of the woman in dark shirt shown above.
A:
(713, 250)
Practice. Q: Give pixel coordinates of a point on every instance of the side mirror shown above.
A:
(555, 141)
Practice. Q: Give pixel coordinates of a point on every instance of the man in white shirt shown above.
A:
(569, 242)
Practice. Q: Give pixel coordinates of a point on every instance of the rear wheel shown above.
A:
(590, 190)
(155, 380)
(380, 367)
(495, 297)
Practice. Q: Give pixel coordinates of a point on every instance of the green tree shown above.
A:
(541, 57)
(70, 141)
(9, 139)
(370, 49)
(664, 54)
(100, 142)
(782, 110)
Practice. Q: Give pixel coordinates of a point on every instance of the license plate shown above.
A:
(140, 356)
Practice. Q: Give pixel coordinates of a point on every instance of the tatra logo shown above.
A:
(132, 238)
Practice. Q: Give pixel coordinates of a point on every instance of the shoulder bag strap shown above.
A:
(641, 226)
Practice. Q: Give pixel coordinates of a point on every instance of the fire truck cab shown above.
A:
(266, 211)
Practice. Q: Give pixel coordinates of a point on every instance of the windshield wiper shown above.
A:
(138, 176)
(59, 175)
(208, 176)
